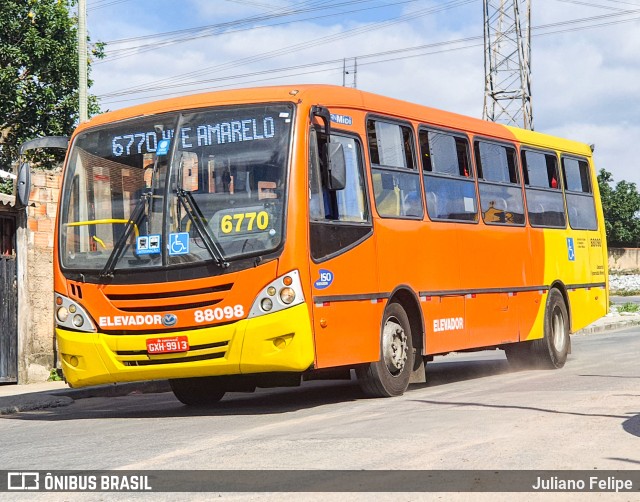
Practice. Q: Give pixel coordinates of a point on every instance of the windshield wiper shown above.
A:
(197, 219)
(120, 245)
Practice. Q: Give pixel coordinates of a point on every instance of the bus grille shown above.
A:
(170, 300)
(202, 352)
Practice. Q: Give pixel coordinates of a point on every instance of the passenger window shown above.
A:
(339, 219)
(579, 195)
(448, 177)
(500, 192)
(545, 203)
(396, 182)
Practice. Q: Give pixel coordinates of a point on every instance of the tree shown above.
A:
(38, 73)
(621, 205)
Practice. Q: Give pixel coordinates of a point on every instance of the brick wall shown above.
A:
(38, 347)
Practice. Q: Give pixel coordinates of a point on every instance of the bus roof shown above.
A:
(334, 96)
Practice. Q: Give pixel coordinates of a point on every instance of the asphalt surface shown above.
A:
(38, 396)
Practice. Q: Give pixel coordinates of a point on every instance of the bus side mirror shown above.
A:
(337, 168)
(23, 186)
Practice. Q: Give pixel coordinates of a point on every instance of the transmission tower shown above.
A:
(350, 71)
(507, 62)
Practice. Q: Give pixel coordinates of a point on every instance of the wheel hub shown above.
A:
(557, 329)
(394, 346)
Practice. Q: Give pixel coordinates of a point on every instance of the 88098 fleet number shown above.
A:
(219, 314)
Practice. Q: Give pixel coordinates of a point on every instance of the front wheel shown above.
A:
(390, 375)
(204, 391)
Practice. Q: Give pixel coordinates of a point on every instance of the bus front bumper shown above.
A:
(278, 342)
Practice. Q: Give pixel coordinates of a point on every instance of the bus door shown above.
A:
(585, 249)
(344, 281)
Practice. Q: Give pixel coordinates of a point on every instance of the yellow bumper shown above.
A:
(281, 341)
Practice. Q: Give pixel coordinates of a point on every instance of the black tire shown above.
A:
(204, 391)
(390, 375)
(550, 351)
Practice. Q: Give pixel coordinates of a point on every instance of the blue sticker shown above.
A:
(341, 119)
(179, 243)
(148, 244)
(163, 147)
(571, 249)
(326, 278)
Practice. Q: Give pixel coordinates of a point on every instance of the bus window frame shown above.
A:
(400, 170)
(473, 177)
(524, 148)
(326, 222)
(590, 194)
(519, 183)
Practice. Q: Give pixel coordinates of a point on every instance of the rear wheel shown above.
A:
(390, 375)
(552, 349)
(204, 391)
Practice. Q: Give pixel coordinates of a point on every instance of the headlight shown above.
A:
(70, 314)
(62, 314)
(287, 295)
(284, 292)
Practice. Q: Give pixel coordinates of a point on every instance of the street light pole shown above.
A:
(82, 60)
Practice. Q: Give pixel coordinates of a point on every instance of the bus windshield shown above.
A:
(138, 194)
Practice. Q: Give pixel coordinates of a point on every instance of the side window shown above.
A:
(448, 177)
(396, 182)
(338, 219)
(545, 203)
(580, 204)
(498, 184)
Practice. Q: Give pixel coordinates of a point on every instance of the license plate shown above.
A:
(167, 345)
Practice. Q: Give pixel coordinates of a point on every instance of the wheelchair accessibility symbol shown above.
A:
(571, 249)
(179, 243)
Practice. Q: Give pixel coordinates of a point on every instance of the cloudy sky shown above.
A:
(585, 56)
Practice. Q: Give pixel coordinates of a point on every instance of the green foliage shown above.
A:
(629, 307)
(54, 376)
(38, 73)
(621, 205)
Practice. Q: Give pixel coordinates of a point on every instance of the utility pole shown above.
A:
(82, 61)
(507, 62)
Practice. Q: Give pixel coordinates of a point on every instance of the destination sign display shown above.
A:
(193, 136)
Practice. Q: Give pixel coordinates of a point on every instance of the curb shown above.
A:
(32, 402)
(609, 326)
(115, 389)
(64, 397)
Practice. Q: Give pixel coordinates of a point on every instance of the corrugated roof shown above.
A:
(7, 200)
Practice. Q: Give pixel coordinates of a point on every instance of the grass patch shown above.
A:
(629, 307)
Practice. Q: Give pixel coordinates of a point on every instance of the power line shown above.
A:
(281, 12)
(287, 50)
(107, 3)
(190, 34)
(393, 55)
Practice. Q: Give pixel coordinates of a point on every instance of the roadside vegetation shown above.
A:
(631, 308)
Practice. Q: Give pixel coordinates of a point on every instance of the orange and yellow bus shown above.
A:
(258, 237)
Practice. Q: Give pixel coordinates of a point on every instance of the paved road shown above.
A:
(617, 300)
(473, 414)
